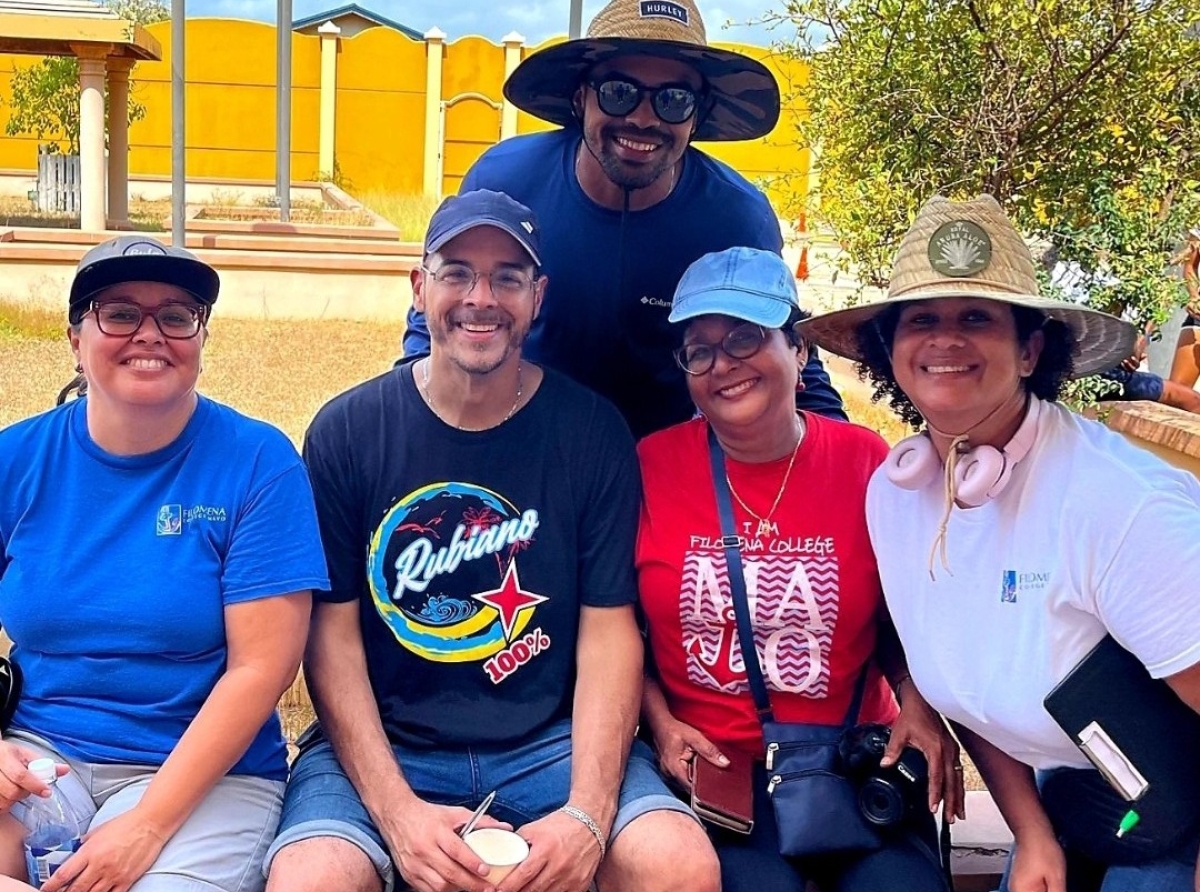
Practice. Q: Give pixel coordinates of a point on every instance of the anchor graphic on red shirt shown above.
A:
(720, 667)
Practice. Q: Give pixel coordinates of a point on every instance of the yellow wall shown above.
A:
(380, 109)
(230, 127)
(472, 66)
(19, 152)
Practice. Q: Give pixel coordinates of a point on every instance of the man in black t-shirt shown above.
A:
(478, 515)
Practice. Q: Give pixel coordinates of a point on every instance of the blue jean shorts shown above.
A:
(531, 779)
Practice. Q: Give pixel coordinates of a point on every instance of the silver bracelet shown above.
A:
(586, 820)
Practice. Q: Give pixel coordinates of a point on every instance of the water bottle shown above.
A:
(53, 825)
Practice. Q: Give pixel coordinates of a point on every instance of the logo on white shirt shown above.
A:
(1015, 582)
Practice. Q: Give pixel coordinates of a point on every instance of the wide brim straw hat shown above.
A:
(971, 249)
(742, 100)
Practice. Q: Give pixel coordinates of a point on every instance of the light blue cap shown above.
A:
(745, 283)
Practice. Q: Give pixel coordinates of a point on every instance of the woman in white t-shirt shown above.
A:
(1012, 535)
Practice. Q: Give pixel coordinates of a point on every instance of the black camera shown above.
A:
(886, 796)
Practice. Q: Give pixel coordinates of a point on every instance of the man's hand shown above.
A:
(919, 726)
(563, 857)
(1134, 362)
(677, 744)
(428, 852)
(1039, 865)
(112, 858)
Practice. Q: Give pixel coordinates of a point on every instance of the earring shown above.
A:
(79, 368)
(799, 385)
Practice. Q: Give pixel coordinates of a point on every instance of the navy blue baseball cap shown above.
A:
(139, 258)
(745, 283)
(483, 207)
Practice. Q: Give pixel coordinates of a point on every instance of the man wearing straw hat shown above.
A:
(626, 203)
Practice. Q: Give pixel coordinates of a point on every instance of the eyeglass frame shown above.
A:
(477, 275)
(200, 311)
(642, 91)
(678, 352)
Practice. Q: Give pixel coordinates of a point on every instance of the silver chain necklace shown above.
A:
(442, 418)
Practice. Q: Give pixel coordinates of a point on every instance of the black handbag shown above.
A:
(10, 690)
(816, 806)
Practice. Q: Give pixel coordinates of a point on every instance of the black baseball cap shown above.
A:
(139, 258)
(483, 207)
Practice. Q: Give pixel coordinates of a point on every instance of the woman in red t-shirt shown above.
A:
(798, 485)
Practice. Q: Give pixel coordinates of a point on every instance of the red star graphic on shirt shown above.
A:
(509, 600)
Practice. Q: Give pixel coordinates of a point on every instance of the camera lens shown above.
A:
(880, 802)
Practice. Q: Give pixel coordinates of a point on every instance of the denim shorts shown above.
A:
(531, 779)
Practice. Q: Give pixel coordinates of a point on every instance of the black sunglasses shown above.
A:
(619, 95)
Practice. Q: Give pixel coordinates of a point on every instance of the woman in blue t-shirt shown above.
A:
(157, 552)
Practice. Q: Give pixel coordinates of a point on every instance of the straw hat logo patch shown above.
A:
(663, 9)
(960, 248)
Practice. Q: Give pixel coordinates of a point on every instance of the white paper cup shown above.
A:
(499, 849)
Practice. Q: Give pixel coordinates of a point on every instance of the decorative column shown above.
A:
(326, 161)
(435, 48)
(91, 134)
(513, 43)
(118, 142)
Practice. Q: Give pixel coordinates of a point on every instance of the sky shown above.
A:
(536, 20)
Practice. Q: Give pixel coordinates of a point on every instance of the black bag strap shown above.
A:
(731, 542)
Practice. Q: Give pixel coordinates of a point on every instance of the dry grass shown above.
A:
(153, 216)
(408, 213)
(145, 216)
(278, 371)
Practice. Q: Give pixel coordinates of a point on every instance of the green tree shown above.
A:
(45, 95)
(1078, 115)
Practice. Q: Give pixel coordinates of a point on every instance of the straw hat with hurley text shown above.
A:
(740, 98)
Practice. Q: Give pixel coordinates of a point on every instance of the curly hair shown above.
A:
(1054, 367)
(795, 317)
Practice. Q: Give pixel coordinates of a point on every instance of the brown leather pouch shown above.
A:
(724, 796)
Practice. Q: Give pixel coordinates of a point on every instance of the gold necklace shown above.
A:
(764, 520)
(433, 408)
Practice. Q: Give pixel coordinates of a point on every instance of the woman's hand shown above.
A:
(677, 744)
(16, 780)
(919, 726)
(1038, 865)
(112, 858)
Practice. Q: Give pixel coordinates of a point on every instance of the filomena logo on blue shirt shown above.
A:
(171, 519)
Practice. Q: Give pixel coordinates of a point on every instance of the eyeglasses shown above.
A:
(739, 343)
(461, 279)
(122, 319)
(618, 96)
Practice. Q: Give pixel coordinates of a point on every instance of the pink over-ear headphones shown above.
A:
(980, 475)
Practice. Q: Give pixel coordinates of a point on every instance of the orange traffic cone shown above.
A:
(802, 266)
